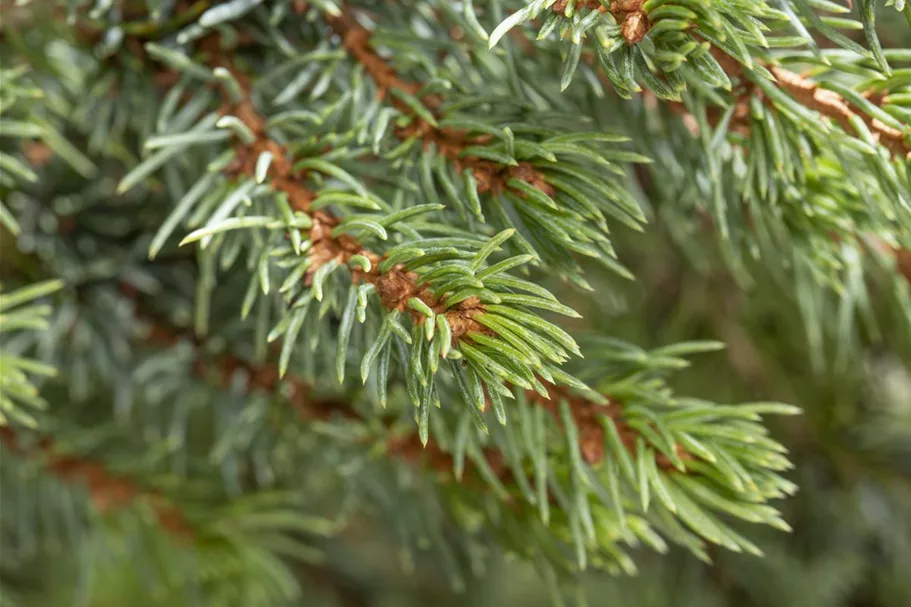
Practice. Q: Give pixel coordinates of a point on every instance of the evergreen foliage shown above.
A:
(275, 271)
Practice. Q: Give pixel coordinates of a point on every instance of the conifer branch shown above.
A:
(490, 176)
(261, 377)
(397, 286)
(834, 106)
(684, 22)
(307, 180)
(300, 397)
(394, 287)
(809, 94)
(108, 491)
(308, 407)
(813, 97)
(586, 415)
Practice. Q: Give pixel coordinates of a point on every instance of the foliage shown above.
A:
(327, 262)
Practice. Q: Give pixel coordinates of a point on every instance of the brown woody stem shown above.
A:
(810, 95)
